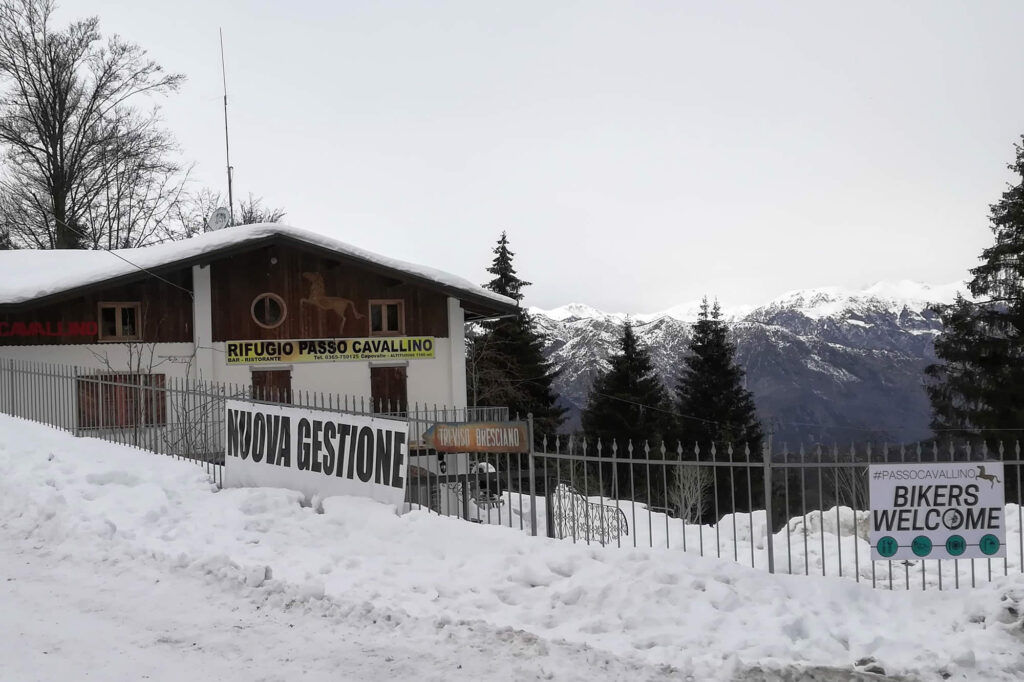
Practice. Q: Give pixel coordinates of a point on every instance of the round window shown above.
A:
(269, 310)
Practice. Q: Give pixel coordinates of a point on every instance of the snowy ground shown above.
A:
(120, 565)
(830, 542)
(71, 619)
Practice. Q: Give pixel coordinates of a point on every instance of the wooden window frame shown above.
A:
(384, 302)
(118, 306)
(280, 302)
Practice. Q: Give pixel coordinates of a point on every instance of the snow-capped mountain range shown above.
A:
(825, 365)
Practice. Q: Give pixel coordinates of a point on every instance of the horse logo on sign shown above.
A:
(991, 478)
(318, 297)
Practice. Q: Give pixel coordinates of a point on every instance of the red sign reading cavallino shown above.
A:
(49, 329)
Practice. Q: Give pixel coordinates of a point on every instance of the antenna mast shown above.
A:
(227, 147)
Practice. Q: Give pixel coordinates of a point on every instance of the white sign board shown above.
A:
(317, 452)
(947, 510)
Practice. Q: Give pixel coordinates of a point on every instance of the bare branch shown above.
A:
(84, 167)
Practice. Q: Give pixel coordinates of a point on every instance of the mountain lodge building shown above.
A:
(271, 307)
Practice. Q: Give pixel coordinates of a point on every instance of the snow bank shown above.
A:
(707, 618)
(829, 542)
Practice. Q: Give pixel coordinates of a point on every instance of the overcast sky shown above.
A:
(639, 154)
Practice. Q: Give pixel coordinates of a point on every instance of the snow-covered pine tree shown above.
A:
(977, 386)
(505, 360)
(629, 404)
(715, 408)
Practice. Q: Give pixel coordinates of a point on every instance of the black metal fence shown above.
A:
(182, 417)
(803, 511)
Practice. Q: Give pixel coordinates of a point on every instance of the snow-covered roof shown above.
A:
(30, 274)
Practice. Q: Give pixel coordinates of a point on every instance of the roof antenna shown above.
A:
(227, 148)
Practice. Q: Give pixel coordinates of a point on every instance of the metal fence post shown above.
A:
(549, 506)
(7, 372)
(767, 457)
(532, 473)
(10, 387)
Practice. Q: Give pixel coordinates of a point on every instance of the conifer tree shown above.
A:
(977, 385)
(716, 409)
(629, 404)
(505, 363)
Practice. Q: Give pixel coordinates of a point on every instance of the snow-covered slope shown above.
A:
(569, 611)
(824, 364)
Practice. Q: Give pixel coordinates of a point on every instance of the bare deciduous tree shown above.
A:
(252, 212)
(193, 213)
(139, 206)
(84, 167)
(128, 389)
(851, 486)
(688, 488)
(488, 380)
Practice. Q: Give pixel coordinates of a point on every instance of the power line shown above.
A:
(657, 409)
(966, 430)
(134, 265)
(149, 272)
(789, 423)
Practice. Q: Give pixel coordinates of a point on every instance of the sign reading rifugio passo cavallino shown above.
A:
(329, 350)
(948, 510)
(316, 452)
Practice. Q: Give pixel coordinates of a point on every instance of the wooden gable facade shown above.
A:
(318, 297)
(165, 312)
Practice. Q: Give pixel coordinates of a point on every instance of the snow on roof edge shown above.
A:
(30, 274)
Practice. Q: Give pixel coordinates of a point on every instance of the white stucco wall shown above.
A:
(171, 359)
(457, 352)
(428, 379)
(439, 381)
(202, 321)
(43, 387)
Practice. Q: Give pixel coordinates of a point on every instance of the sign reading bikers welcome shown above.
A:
(946, 510)
(329, 350)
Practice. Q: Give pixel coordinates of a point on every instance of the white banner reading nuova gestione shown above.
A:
(944, 510)
(317, 452)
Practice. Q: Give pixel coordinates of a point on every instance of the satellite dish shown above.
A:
(219, 219)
